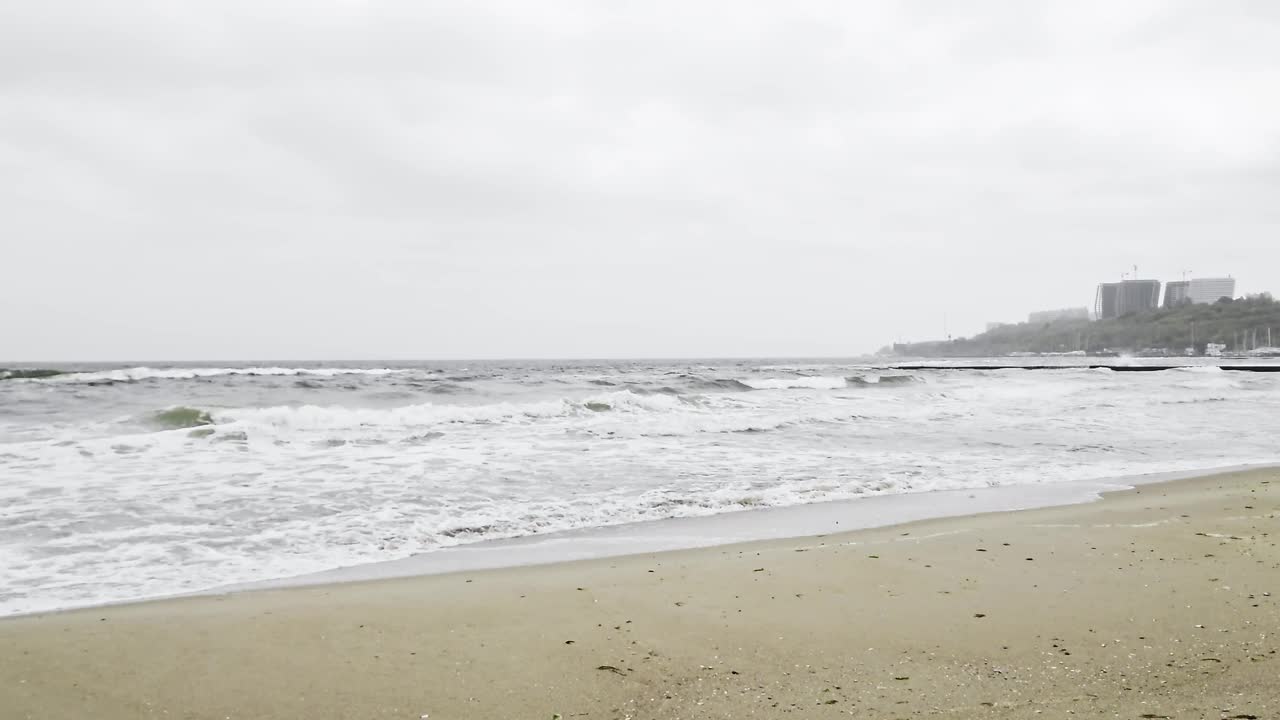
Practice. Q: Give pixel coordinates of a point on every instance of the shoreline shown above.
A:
(725, 529)
(728, 529)
(1160, 600)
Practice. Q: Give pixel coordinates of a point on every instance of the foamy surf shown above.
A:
(796, 382)
(137, 374)
(190, 477)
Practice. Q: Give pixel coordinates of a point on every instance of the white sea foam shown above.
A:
(797, 382)
(148, 373)
(415, 417)
(96, 506)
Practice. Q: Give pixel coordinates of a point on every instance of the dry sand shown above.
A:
(1158, 602)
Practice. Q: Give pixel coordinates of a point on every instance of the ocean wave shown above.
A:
(447, 388)
(317, 417)
(29, 373)
(722, 384)
(137, 374)
(897, 379)
(796, 382)
(179, 417)
(875, 380)
(649, 390)
(814, 382)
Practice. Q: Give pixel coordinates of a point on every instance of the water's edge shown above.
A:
(797, 521)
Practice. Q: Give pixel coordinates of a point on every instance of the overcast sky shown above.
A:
(343, 179)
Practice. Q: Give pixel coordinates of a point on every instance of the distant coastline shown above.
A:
(1243, 328)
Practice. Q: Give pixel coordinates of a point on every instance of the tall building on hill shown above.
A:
(1107, 303)
(1202, 291)
(1139, 296)
(1048, 316)
(1128, 296)
(1206, 291)
(1175, 292)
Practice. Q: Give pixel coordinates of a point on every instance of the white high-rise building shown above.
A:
(1206, 291)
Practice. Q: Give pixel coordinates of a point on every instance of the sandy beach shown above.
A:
(1159, 602)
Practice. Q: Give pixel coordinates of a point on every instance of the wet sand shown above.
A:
(1160, 602)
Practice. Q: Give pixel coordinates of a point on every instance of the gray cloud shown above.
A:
(450, 179)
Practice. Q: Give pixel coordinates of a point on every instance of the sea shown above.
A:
(130, 481)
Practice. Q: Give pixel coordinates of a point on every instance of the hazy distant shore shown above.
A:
(1160, 601)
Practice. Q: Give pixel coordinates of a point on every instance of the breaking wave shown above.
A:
(881, 380)
(728, 384)
(147, 373)
(795, 383)
(822, 382)
(447, 388)
(177, 418)
(29, 373)
(316, 417)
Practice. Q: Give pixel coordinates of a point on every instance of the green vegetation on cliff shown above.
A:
(1231, 323)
